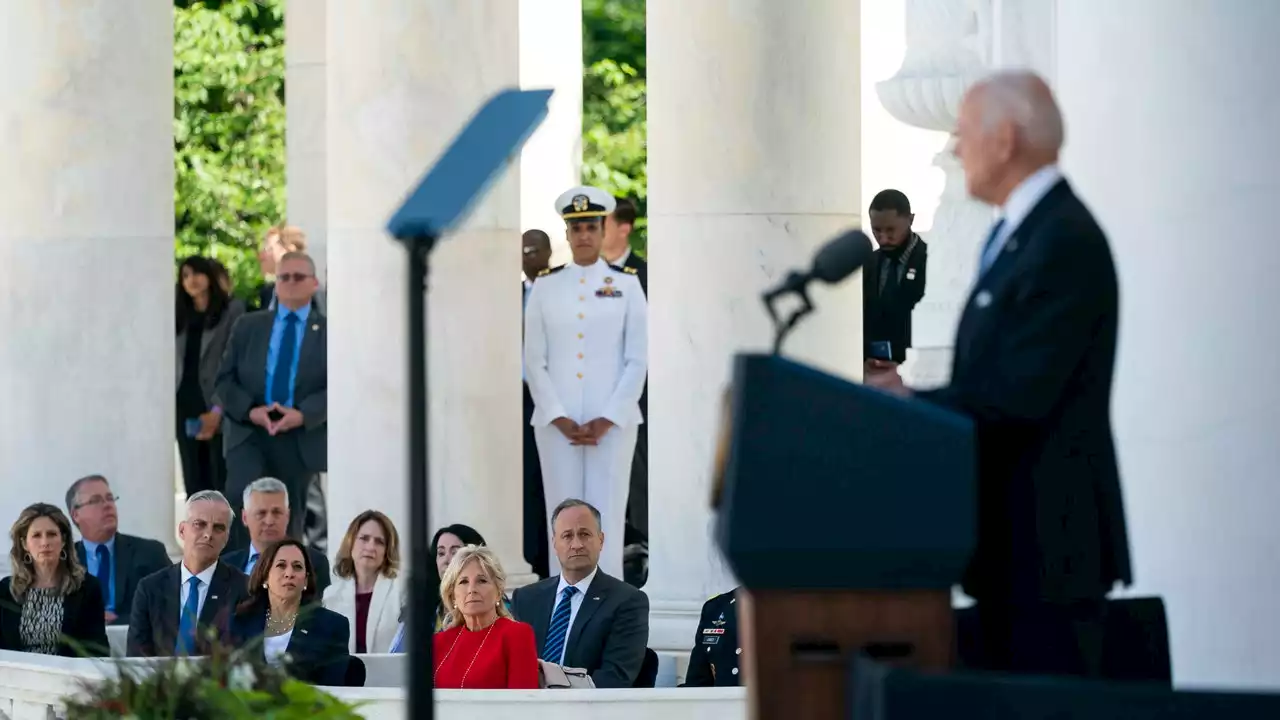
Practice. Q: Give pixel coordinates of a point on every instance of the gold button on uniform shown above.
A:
(580, 316)
(579, 336)
(579, 356)
(582, 281)
(579, 376)
(581, 298)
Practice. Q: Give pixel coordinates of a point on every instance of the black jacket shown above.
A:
(886, 310)
(717, 653)
(317, 647)
(134, 558)
(84, 625)
(1034, 356)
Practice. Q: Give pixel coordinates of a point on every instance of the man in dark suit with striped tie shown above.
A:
(273, 389)
(584, 618)
(1034, 357)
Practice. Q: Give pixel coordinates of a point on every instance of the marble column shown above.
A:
(947, 50)
(754, 162)
(86, 256)
(1173, 145)
(402, 79)
(305, 138)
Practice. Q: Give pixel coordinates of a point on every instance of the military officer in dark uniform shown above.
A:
(716, 654)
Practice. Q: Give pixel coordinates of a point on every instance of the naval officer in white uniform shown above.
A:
(586, 355)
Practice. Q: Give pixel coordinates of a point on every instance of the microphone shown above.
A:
(837, 260)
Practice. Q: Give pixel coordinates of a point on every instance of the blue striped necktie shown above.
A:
(559, 629)
(986, 260)
(187, 623)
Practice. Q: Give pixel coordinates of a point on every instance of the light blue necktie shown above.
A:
(187, 623)
(988, 257)
(553, 648)
(281, 383)
(253, 560)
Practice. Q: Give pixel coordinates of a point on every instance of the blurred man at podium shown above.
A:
(1033, 363)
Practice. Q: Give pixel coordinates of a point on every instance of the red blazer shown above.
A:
(500, 657)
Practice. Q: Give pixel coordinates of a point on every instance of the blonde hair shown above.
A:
(70, 572)
(489, 565)
(290, 237)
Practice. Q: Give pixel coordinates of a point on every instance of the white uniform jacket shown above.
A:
(587, 344)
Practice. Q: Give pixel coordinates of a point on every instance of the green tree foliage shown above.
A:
(614, 124)
(229, 126)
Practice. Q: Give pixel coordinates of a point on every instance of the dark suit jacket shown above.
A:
(608, 636)
(83, 621)
(642, 273)
(318, 646)
(134, 559)
(715, 658)
(887, 316)
(153, 625)
(237, 559)
(1033, 363)
(242, 381)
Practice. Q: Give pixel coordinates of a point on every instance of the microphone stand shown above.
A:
(781, 328)
(421, 597)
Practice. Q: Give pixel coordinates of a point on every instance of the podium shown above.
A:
(848, 514)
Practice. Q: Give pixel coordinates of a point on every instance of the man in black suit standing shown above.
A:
(535, 257)
(1034, 357)
(584, 618)
(616, 250)
(893, 280)
(266, 516)
(273, 388)
(117, 560)
(175, 607)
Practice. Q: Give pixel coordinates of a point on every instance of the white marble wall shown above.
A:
(306, 170)
(1173, 144)
(754, 161)
(86, 255)
(402, 80)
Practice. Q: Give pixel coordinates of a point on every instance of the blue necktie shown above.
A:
(253, 560)
(104, 574)
(559, 629)
(187, 623)
(985, 260)
(280, 382)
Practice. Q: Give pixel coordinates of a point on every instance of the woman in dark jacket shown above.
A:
(204, 313)
(282, 615)
(50, 605)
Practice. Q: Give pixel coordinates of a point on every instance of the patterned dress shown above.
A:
(41, 624)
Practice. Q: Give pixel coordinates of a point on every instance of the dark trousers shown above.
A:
(202, 464)
(265, 456)
(535, 502)
(1041, 638)
(638, 495)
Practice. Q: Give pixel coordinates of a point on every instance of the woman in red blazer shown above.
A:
(482, 646)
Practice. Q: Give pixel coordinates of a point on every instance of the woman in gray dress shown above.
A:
(50, 605)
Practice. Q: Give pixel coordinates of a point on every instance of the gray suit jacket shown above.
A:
(213, 341)
(242, 383)
(134, 559)
(609, 635)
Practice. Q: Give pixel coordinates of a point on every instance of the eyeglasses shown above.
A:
(97, 500)
(292, 277)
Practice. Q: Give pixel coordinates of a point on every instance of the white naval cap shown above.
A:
(584, 201)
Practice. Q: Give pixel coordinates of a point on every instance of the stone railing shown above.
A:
(32, 687)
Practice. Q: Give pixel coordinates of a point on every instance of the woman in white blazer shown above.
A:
(367, 588)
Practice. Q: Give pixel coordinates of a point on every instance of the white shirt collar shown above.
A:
(622, 259)
(206, 576)
(1027, 195)
(582, 585)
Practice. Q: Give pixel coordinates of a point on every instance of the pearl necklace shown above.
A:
(462, 684)
(279, 625)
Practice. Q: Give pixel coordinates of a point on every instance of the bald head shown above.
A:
(1009, 127)
(536, 252)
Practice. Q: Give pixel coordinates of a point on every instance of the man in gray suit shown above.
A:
(119, 561)
(273, 389)
(584, 618)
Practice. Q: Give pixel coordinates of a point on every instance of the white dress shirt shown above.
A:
(275, 647)
(622, 259)
(575, 603)
(1019, 205)
(206, 577)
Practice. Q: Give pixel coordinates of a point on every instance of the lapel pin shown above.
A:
(596, 597)
(316, 326)
(1012, 246)
(304, 631)
(983, 299)
(215, 597)
(911, 274)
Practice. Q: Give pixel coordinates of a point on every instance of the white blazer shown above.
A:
(384, 609)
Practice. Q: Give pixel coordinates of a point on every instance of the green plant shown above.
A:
(226, 685)
(229, 127)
